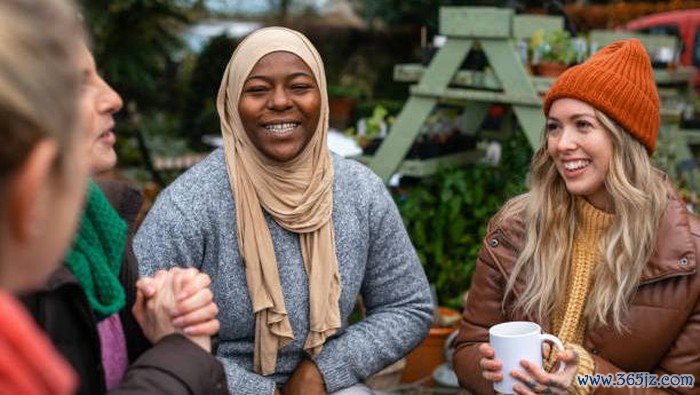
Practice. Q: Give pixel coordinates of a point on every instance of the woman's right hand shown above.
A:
(491, 368)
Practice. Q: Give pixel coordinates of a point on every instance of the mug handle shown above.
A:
(551, 338)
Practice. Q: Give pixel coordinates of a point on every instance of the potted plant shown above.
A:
(552, 53)
(341, 103)
(355, 83)
(441, 134)
(370, 131)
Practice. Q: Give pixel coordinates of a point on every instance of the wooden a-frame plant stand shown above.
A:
(495, 30)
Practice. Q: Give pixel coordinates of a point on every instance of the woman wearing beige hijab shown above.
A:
(290, 234)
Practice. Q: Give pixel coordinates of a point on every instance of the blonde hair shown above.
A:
(549, 212)
(39, 78)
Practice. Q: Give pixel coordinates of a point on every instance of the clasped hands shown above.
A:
(180, 301)
(177, 301)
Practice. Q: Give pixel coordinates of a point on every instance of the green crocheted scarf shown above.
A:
(96, 257)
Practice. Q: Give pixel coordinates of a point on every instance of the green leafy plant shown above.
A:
(374, 123)
(555, 46)
(446, 216)
(373, 126)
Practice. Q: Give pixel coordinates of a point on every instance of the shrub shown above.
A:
(446, 216)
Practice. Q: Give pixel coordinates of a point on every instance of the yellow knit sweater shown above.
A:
(568, 321)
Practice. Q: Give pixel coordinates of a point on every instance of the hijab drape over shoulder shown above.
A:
(298, 194)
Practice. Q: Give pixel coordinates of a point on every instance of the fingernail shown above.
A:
(150, 289)
(178, 321)
(182, 295)
(174, 312)
(188, 330)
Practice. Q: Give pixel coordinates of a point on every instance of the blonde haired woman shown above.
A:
(601, 251)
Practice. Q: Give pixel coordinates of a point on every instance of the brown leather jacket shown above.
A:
(663, 321)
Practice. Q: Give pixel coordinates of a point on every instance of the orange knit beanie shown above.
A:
(617, 80)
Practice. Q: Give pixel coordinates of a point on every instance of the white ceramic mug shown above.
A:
(514, 341)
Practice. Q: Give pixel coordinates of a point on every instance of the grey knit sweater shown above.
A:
(193, 223)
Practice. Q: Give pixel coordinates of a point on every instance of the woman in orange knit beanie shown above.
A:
(600, 251)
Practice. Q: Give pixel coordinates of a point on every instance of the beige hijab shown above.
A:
(298, 194)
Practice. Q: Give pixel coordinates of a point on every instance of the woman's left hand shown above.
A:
(534, 380)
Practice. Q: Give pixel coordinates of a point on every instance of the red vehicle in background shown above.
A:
(684, 24)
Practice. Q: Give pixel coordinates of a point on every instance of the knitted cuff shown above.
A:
(586, 365)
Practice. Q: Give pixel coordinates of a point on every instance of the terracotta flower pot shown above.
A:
(340, 111)
(550, 69)
(422, 361)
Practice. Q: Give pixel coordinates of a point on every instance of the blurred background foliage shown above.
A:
(446, 215)
(199, 107)
(136, 45)
(170, 88)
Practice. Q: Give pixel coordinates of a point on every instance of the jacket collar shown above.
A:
(126, 201)
(59, 278)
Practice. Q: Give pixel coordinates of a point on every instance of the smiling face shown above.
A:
(280, 106)
(98, 102)
(581, 148)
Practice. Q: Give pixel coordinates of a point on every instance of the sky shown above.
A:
(253, 6)
(199, 34)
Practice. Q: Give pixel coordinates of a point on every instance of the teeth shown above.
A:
(575, 165)
(281, 128)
